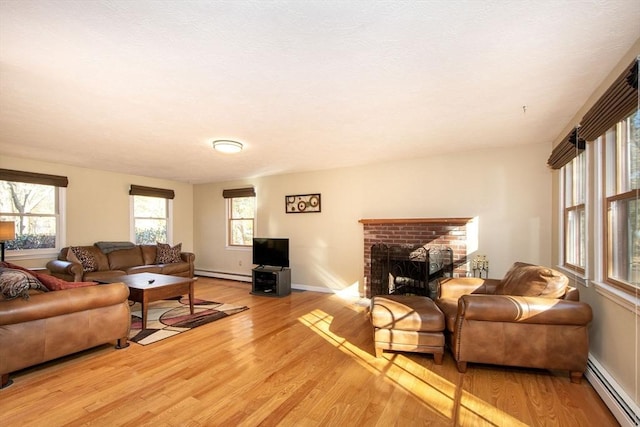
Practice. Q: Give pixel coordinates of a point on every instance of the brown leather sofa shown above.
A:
(137, 259)
(53, 324)
(530, 318)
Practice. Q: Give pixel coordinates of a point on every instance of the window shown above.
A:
(575, 178)
(241, 209)
(151, 211)
(34, 202)
(150, 218)
(621, 204)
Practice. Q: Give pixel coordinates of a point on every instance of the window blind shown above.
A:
(572, 145)
(139, 190)
(239, 192)
(618, 101)
(33, 178)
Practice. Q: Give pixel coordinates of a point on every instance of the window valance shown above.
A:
(569, 147)
(618, 101)
(33, 178)
(139, 190)
(239, 192)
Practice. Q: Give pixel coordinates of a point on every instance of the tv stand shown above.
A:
(271, 281)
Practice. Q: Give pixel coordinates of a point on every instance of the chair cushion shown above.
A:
(533, 281)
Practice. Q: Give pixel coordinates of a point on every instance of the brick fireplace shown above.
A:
(445, 232)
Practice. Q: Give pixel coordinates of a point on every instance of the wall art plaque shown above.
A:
(302, 203)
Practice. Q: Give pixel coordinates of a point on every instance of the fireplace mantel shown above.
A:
(451, 221)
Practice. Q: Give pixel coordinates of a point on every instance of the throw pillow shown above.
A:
(71, 256)
(50, 282)
(533, 281)
(17, 283)
(56, 284)
(167, 254)
(85, 257)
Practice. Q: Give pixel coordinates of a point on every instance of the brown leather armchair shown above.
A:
(530, 318)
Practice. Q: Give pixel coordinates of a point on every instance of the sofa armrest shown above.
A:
(455, 287)
(56, 303)
(66, 270)
(189, 257)
(517, 309)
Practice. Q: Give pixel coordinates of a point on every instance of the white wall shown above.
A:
(97, 205)
(507, 190)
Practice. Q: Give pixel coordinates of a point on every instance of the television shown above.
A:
(271, 251)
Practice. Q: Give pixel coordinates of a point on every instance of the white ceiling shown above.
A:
(143, 87)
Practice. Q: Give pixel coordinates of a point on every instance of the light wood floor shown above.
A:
(302, 360)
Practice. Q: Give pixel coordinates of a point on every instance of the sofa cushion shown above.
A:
(175, 269)
(85, 257)
(153, 268)
(104, 276)
(534, 281)
(149, 253)
(167, 254)
(16, 283)
(122, 259)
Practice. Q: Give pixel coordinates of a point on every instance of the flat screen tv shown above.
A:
(270, 251)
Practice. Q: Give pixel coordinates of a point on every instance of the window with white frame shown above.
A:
(574, 201)
(151, 215)
(34, 202)
(241, 210)
(621, 205)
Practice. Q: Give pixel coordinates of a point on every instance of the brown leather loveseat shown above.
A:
(53, 324)
(96, 264)
(530, 318)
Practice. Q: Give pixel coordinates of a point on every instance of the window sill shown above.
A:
(623, 299)
(31, 254)
(574, 277)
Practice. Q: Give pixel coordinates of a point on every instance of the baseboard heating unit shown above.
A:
(619, 403)
(223, 275)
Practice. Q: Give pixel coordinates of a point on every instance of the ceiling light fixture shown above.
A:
(227, 146)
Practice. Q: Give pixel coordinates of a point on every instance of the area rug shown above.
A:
(167, 318)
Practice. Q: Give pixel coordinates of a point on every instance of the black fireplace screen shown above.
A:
(408, 269)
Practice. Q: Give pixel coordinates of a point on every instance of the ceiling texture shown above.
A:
(144, 87)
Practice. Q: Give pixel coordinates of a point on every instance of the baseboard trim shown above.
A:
(619, 403)
(223, 275)
(247, 278)
(311, 288)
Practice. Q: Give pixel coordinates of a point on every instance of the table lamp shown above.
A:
(7, 232)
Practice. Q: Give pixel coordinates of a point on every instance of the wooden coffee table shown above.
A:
(148, 287)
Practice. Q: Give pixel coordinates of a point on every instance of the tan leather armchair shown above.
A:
(530, 318)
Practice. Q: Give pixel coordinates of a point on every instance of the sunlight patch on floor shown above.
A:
(439, 394)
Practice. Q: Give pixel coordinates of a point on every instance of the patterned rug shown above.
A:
(167, 318)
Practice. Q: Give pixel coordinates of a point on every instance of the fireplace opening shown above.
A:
(408, 269)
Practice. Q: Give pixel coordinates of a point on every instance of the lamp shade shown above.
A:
(7, 230)
(227, 146)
